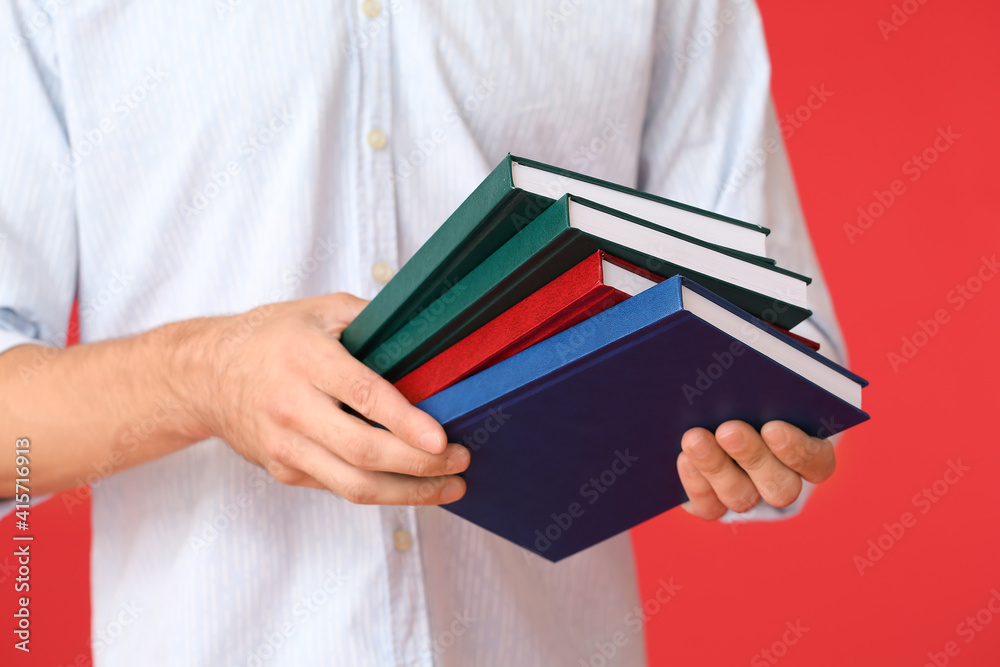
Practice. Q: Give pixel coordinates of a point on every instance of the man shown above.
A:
(213, 181)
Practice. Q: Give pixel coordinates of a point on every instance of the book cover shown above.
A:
(544, 249)
(488, 218)
(575, 439)
(574, 296)
(495, 211)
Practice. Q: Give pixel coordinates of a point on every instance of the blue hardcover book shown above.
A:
(575, 439)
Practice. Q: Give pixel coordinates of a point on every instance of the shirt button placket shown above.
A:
(408, 603)
(376, 163)
(411, 625)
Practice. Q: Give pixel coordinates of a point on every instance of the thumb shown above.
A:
(336, 311)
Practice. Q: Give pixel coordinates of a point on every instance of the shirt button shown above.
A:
(401, 540)
(382, 272)
(371, 8)
(376, 139)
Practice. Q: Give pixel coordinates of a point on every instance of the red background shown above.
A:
(740, 585)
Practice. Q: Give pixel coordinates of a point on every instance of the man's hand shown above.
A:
(270, 382)
(275, 395)
(737, 466)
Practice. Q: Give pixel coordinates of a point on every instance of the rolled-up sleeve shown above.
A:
(711, 139)
(38, 242)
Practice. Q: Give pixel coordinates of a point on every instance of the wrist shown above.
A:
(191, 366)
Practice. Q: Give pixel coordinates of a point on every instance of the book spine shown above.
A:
(500, 333)
(586, 343)
(486, 291)
(481, 350)
(487, 219)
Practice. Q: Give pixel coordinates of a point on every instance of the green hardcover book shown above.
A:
(558, 239)
(714, 228)
(486, 220)
(509, 198)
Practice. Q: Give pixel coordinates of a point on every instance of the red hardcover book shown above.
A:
(593, 285)
(811, 344)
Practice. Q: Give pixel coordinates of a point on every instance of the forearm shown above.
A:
(101, 408)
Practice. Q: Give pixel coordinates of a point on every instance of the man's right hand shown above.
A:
(278, 377)
(270, 382)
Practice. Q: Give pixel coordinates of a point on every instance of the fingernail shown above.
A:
(458, 458)
(775, 434)
(700, 448)
(431, 442)
(735, 438)
(451, 492)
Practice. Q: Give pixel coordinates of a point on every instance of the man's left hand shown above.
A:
(736, 467)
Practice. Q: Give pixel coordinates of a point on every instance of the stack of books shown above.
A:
(568, 331)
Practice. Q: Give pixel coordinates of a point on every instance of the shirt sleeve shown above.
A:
(711, 139)
(38, 256)
(38, 242)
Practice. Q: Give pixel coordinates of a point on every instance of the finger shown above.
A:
(369, 447)
(368, 487)
(813, 458)
(340, 375)
(292, 477)
(334, 311)
(731, 484)
(277, 450)
(777, 484)
(702, 500)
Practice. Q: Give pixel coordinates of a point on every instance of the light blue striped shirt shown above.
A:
(167, 160)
